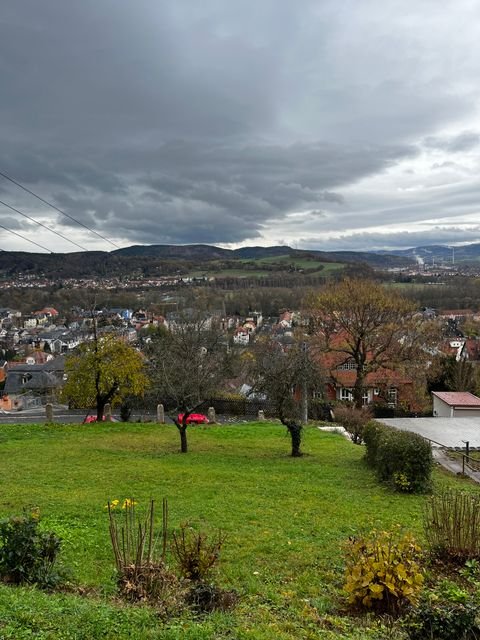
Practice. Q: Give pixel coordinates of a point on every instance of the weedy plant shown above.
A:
(353, 420)
(140, 555)
(27, 554)
(444, 613)
(452, 525)
(383, 572)
(195, 553)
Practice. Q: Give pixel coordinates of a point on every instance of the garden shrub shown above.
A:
(27, 554)
(405, 459)
(206, 597)
(141, 560)
(402, 458)
(126, 411)
(383, 572)
(371, 437)
(195, 553)
(445, 613)
(452, 525)
(142, 571)
(353, 421)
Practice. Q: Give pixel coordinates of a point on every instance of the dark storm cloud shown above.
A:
(464, 141)
(196, 191)
(159, 121)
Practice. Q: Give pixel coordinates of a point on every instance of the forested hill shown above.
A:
(157, 260)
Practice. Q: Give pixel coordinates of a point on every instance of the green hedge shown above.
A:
(401, 458)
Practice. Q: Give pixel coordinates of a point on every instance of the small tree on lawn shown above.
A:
(283, 376)
(186, 367)
(104, 370)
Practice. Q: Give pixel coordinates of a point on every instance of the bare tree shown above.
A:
(186, 366)
(369, 325)
(283, 376)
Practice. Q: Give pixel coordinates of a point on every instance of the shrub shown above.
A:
(28, 555)
(143, 573)
(445, 613)
(353, 421)
(452, 525)
(402, 458)
(195, 553)
(371, 437)
(205, 597)
(125, 411)
(142, 570)
(383, 572)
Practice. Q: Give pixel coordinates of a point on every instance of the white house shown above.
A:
(455, 404)
(241, 336)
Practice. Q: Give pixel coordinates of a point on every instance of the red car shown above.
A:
(90, 419)
(194, 418)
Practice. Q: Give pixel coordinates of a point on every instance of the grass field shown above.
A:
(301, 263)
(285, 519)
(281, 263)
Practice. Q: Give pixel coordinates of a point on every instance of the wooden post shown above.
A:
(108, 412)
(160, 414)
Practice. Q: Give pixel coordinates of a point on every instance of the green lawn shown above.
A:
(230, 273)
(286, 520)
(281, 263)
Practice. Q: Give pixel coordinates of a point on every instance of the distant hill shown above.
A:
(439, 253)
(209, 252)
(161, 260)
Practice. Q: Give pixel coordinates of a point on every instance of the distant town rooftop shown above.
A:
(458, 398)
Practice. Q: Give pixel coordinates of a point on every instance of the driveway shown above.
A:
(449, 432)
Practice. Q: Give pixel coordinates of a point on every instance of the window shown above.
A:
(347, 366)
(346, 394)
(392, 396)
(365, 396)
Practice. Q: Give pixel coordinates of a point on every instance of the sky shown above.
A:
(320, 124)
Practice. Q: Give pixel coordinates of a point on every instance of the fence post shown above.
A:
(160, 414)
(212, 418)
(49, 411)
(108, 412)
(261, 415)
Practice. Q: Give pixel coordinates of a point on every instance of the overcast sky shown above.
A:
(329, 124)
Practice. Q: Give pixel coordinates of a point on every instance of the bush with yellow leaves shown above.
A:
(383, 572)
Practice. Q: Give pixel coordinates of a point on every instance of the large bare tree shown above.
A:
(364, 322)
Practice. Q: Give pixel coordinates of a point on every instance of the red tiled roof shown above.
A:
(458, 398)
(373, 379)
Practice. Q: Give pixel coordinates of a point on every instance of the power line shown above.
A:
(27, 239)
(49, 204)
(43, 225)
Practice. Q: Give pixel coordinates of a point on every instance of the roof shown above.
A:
(458, 398)
(377, 378)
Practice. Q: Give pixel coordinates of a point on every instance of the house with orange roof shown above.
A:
(382, 385)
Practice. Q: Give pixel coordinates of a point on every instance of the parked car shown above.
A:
(194, 418)
(90, 419)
